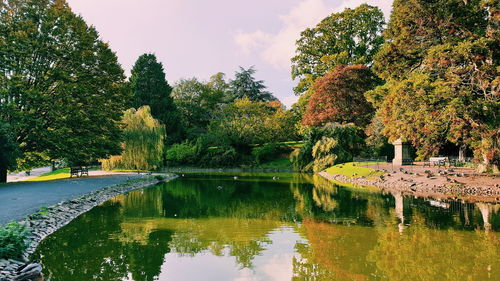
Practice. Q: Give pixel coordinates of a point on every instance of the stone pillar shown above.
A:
(399, 211)
(486, 212)
(401, 153)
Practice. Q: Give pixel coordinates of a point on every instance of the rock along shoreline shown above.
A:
(405, 186)
(42, 224)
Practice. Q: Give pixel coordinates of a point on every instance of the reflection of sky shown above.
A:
(274, 263)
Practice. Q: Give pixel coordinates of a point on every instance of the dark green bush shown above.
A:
(349, 142)
(181, 154)
(13, 240)
(225, 156)
(269, 152)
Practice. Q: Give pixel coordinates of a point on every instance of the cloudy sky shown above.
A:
(198, 38)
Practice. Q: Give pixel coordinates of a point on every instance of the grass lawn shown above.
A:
(281, 163)
(55, 175)
(353, 169)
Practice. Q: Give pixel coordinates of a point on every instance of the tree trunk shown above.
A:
(461, 153)
(3, 174)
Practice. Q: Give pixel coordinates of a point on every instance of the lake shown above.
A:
(274, 227)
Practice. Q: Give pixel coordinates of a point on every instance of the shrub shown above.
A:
(224, 156)
(13, 240)
(269, 152)
(324, 154)
(114, 162)
(181, 154)
(348, 139)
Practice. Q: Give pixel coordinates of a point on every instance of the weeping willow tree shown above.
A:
(143, 142)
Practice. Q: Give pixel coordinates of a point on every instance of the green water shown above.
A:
(295, 227)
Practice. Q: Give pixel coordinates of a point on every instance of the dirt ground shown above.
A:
(436, 182)
(440, 175)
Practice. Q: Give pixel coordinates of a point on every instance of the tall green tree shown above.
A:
(143, 143)
(61, 88)
(9, 150)
(352, 36)
(244, 85)
(198, 104)
(417, 25)
(150, 87)
(443, 87)
(217, 83)
(244, 123)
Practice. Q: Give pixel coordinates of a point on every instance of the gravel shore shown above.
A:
(441, 186)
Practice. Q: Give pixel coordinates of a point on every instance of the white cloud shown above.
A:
(277, 49)
(251, 41)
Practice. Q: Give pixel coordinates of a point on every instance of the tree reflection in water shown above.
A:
(346, 233)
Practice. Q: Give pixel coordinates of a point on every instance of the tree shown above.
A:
(61, 88)
(343, 142)
(454, 99)
(143, 142)
(198, 103)
(352, 36)
(417, 25)
(339, 97)
(149, 87)
(219, 85)
(9, 150)
(244, 123)
(442, 86)
(244, 85)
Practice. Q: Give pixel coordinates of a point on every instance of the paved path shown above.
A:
(22, 176)
(20, 199)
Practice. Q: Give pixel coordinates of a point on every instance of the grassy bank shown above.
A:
(54, 175)
(354, 169)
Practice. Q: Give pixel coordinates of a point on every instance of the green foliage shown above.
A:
(352, 36)
(244, 85)
(198, 103)
(149, 87)
(143, 142)
(278, 163)
(13, 240)
(416, 26)
(269, 152)
(224, 156)
(244, 123)
(61, 87)
(323, 153)
(9, 150)
(452, 99)
(43, 211)
(342, 141)
(181, 154)
(442, 77)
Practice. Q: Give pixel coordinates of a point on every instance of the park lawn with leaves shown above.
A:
(354, 169)
(54, 175)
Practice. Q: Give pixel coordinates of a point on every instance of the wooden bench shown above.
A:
(78, 171)
(436, 161)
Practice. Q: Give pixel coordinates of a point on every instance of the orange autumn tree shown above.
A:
(339, 97)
